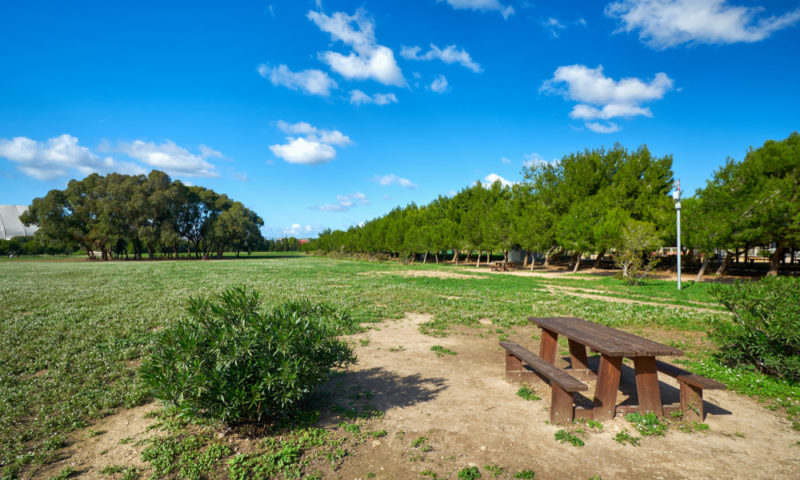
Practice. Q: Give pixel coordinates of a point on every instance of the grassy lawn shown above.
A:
(71, 332)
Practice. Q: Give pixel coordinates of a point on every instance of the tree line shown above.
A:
(111, 215)
(598, 202)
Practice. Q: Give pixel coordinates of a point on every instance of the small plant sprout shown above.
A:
(469, 473)
(440, 351)
(564, 436)
(525, 474)
(528, 394)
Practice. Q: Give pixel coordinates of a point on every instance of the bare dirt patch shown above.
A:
(113, 440)
(470, 415)
(421, 273)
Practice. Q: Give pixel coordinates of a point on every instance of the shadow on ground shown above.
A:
(374, 391)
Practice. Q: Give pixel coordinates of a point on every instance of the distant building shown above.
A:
(10, 224)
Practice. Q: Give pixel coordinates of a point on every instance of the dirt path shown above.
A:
(470, 415)
(577, 292)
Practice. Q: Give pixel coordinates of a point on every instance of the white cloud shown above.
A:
(505, 160)
(344, 203)
(312, 82)
(668, 23)
(553, 25)
(392, 179)
(171, 158)
(368, 60)
(532, 159)
(590, 87)
(439, 84)
(598, 127)
(449, 55)
(493, 177)
(58, 157)
(296, 230)
(313, 148)
(482, 5)
(357, 97)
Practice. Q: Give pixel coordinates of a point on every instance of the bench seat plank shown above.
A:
(554, 374)
(688, 377)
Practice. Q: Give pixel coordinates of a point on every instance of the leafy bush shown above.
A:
(765, 329)
(232, 362)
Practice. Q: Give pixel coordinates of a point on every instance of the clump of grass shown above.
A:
(469, 473)
(440, 350)
(624, 437)
(648, 424)
(494, 470)
(564, 436)
(527, 393)
(525, 474)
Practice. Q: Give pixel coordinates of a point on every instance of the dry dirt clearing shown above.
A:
(470, 416)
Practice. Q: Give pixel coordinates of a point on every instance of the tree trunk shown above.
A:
(775, 260)
(548, 256)
(577, 262)
(425, 258)
(488, 257)
(455, 256)
(746, 253)
(505, 259)
(702, 269)
(599, 258)
(725, 263)
(478, 264)
(525, 262)
(437, 257)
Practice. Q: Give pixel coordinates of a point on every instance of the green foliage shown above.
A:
(494, 470)
(648, 424)
(564, 436)
(624, 437)
(440, 350)
(469, 473)
(525, 474)
(526, 393)
(231, 362)
(764, 331)
(63, 474)
(638, 238)
(187, 456)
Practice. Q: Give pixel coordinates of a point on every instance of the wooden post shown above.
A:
(548, 346)
(605, 396)
(691, 401)
(647, 385)
(577, 353)
(561, 410)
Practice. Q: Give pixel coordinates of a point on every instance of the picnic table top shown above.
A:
(606, 340)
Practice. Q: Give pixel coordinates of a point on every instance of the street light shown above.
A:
(676, 195)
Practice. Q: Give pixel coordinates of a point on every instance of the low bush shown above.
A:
(230, 361)
(764, 331)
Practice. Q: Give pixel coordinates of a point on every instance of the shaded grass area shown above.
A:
(71, 332)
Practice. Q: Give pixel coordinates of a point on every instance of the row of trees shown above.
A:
(596, 202)
(113, 214)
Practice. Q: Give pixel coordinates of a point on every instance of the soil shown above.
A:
(471, 416)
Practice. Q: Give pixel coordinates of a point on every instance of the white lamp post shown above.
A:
(676, 195)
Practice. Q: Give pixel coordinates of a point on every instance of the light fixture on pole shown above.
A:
(676, 195)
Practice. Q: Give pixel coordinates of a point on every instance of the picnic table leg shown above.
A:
(605, 395)
(647, 385)
(577, 353)
(548, 346)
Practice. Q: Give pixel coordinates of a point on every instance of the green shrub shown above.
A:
(764, 331)
(232, 362)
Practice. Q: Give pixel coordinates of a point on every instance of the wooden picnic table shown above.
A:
(613, 345)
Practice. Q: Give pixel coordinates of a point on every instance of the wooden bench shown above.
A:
(499, 267)
(692, 387)
(563, 384)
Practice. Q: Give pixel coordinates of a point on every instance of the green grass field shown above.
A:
(71, 331)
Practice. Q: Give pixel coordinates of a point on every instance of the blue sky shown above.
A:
(326, 114)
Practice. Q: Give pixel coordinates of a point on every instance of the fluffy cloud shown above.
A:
(553, 25)
(450, 54)
(357, 97)
(590, 87)
(59, 157)
(505, 160)
(312, 82)
(439, 84)
(368, 60)
(598, 127)
(668, 23)
(314, 147)
(344, 203)
(171, 158)
(392, 179)
(493, 177)
(296, 230)
(482, 5)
